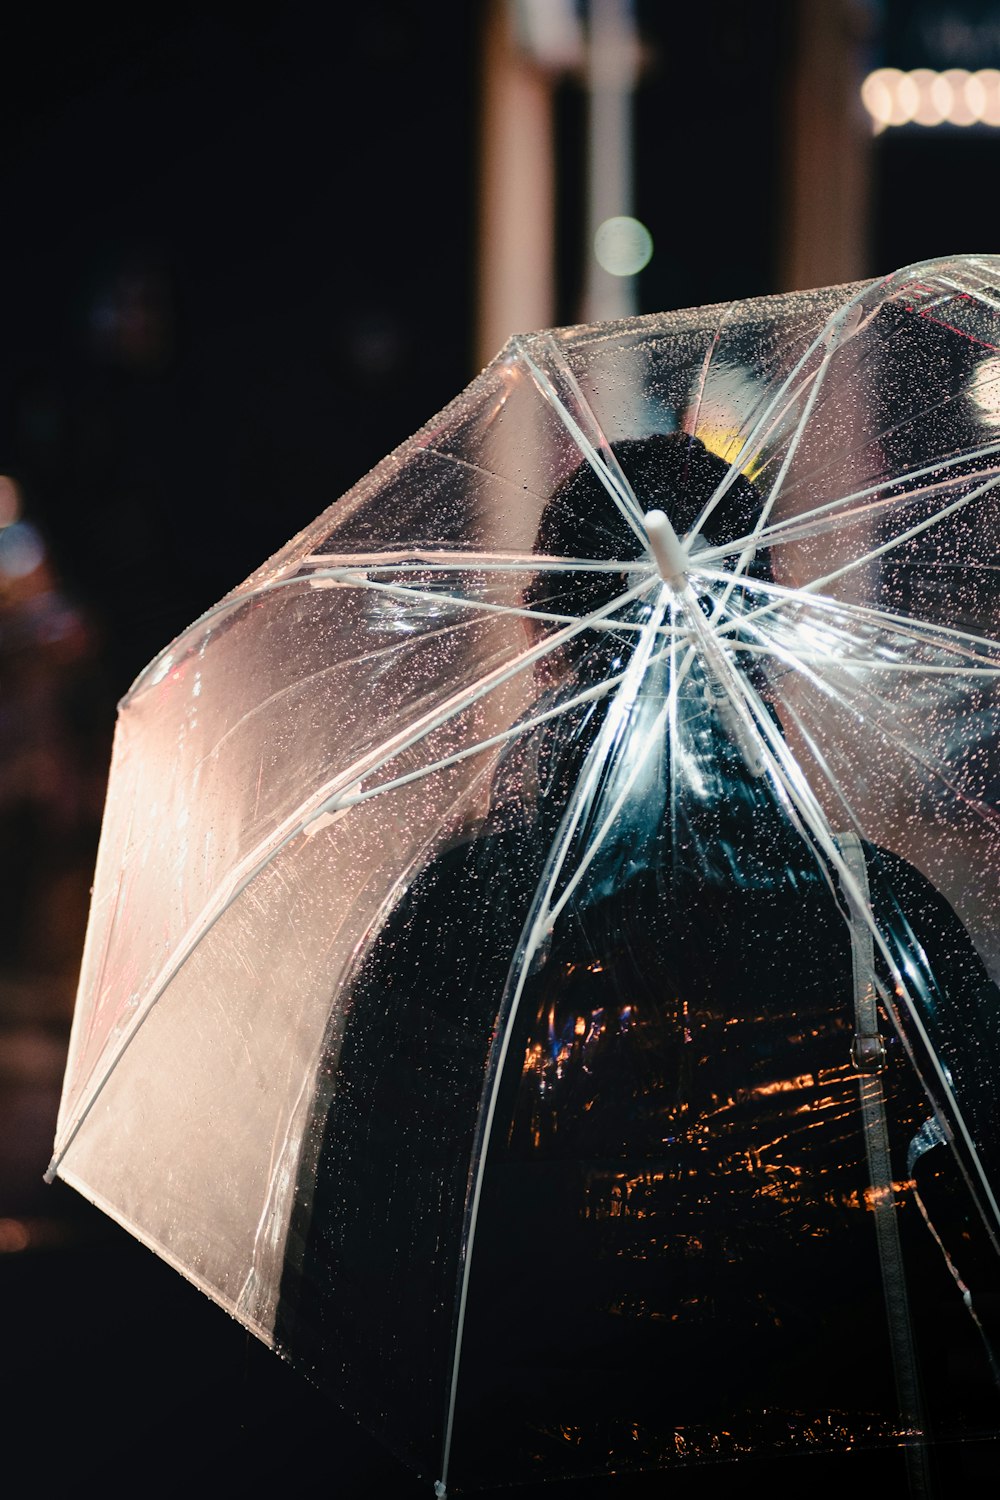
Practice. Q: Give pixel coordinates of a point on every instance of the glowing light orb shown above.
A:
(623, 245)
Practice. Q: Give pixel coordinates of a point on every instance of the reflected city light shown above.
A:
(927, 97)
(21, 550)
(14, 1236)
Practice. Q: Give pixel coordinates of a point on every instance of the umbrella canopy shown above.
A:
(541, 973)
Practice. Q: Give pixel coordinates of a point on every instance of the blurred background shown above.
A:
(247, 251)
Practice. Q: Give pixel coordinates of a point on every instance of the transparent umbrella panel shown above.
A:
(542, 966)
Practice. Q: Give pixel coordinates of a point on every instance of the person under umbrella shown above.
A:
(670, 1254)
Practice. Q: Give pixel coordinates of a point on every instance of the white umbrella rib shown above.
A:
(834, 514)
(922, 632)
(816, 584)
(464, 562)
(844, 453)
(809, 810)
(488, 606)
(291, 688)
(885, 722)
(775, 409)
(233, 602)
(851, 656)
(535, 930)
(691, 422)
(753, 541)
(523, 726)
(608, 470)
(886, 726)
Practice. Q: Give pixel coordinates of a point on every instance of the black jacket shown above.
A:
(675, 1258)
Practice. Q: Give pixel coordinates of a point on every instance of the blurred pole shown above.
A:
(825, 235)
(523, 46)
(612, 70)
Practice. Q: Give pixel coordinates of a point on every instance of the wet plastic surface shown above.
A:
(542, 964)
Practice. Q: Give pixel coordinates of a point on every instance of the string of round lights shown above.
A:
(924, 96)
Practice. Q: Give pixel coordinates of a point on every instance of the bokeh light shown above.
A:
(927, 97)
(10, 500)
(14, 1236)
(21, 550)
(623, 245)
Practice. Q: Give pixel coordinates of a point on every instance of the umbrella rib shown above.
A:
(821, 760)
(808, 528)
(722, 673)
(466, 562)
(856, 898)
(673, 701)
(793, 527)
(486, 606)
(893, 734)
(922, 415)
(308, 1081)
(611, 626)
(775, 409)
(815, 584)
(799, 663)
(853, 450)
(850, 657)
(926, 632)
(744, 458)
(320, 672)
(877, 664)
(964, 290)
(534, 932)
(431, 596)
(148, 676)
(912, 417)
(747, 452)
(886, 723)
(503, 737)
(750, 550)
(694, 415)
(609, 472)
(809, 809)
(641, 755)
(435, 718)
(595, 845)
(832, 336)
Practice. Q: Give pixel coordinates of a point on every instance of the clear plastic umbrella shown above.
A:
(541, 974)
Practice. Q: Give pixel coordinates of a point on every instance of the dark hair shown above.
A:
(673, 472)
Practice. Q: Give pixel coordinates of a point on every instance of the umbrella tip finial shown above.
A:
(668, 550)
